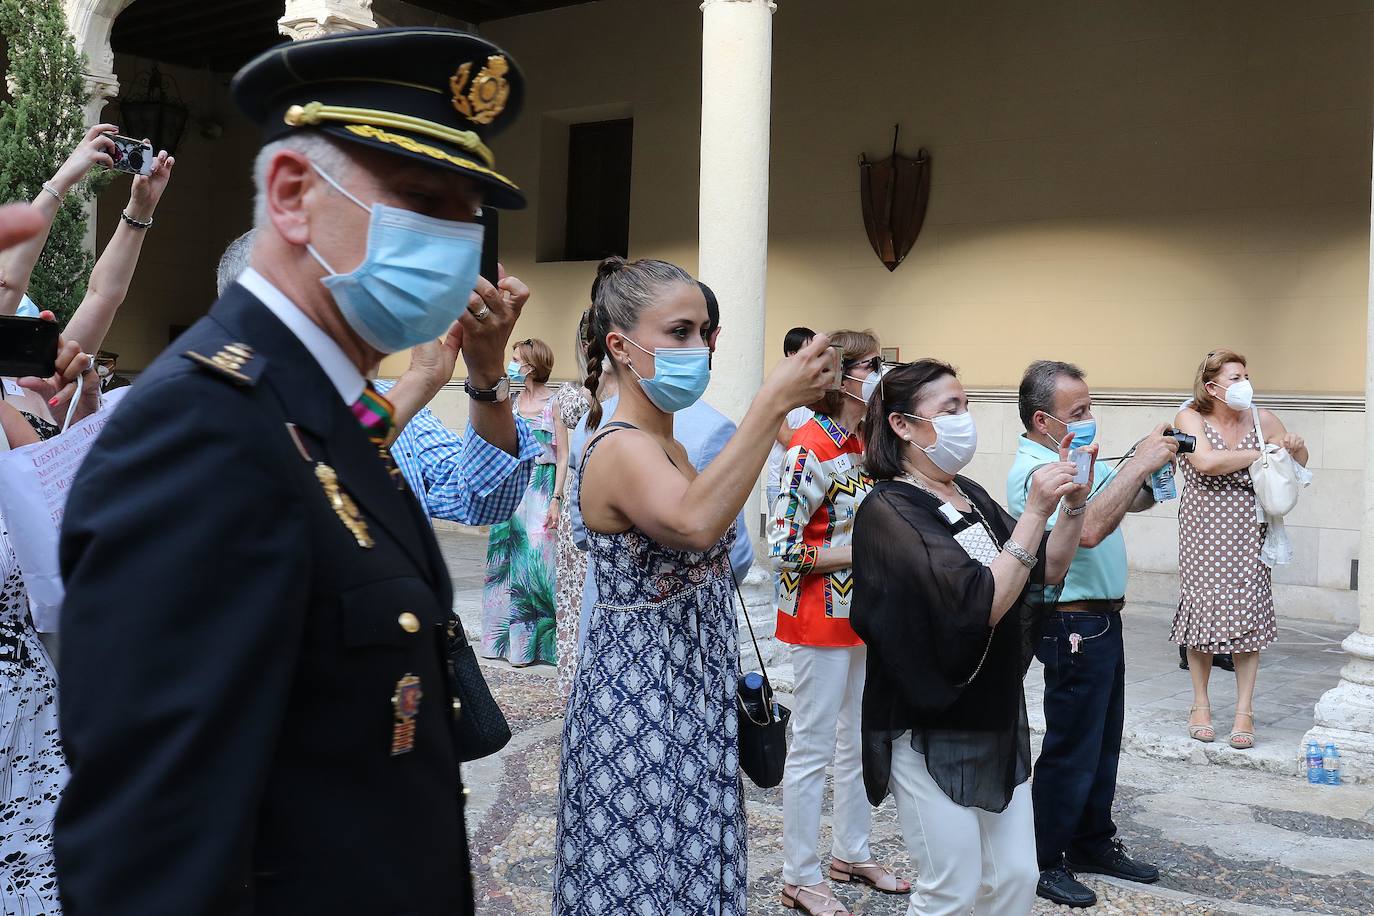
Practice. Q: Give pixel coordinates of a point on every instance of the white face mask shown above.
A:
(1240, 395)
(956, 441)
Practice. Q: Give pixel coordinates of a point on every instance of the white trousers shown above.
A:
(966, 858)
(825, 728)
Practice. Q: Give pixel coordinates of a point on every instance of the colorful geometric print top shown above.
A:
(822, 485)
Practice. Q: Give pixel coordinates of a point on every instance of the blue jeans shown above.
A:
(1085, 706)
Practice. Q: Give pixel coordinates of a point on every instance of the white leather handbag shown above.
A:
(1275, 476)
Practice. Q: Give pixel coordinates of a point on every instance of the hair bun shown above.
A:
(609, 266)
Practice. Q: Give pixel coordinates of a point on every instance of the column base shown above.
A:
(1344, 716)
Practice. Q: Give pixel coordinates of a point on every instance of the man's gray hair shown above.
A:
(1038, 387)
(234, 261)
(316, 147)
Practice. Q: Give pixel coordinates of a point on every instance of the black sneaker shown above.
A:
(1058, 885)
(1111, 859)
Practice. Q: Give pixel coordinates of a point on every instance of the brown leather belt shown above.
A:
(1093, 606)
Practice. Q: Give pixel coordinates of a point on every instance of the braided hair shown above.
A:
(621, 291)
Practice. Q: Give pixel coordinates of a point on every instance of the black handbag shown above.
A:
(762, 737)
(481, 728)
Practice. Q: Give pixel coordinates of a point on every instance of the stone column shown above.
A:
(736, 105)
(313, 18)
(736, 110)
(1345, 713)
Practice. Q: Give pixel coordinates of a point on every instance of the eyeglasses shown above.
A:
(872, 365)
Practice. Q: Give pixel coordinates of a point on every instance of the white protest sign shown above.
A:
(34, 481)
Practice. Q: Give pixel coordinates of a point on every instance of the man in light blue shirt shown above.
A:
(1080, 641)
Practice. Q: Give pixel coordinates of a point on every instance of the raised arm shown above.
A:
(642, 488)
(115, 269)
(16, 262)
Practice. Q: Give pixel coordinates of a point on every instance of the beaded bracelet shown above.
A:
(124, 215)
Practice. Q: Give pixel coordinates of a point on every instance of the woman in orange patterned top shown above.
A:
(809, 535)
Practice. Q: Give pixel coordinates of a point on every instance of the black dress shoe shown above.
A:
(1111, 859)
(1225, 662)
(1058, 885)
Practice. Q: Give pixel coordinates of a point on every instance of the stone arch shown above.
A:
(90, 22)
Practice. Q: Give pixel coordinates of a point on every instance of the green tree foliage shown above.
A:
(40, 123)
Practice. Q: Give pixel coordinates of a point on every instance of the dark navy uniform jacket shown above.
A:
(230, 653)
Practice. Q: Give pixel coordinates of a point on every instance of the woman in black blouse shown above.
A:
(947, 586)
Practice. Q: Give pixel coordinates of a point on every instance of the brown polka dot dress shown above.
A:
(1226, 599)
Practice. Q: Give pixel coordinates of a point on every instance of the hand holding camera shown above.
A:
(1162, 445)
(96, 148)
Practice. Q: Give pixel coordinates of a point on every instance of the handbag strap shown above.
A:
(763, 669)
(1259, 435)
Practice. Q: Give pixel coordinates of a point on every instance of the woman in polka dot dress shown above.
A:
(1226, 600)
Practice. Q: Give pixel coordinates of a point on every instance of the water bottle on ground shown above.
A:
(1315, 772)
(1331, 764)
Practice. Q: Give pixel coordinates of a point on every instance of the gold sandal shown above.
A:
(1243, 740)
(886, 882)
(1204, 733)
(829, 906)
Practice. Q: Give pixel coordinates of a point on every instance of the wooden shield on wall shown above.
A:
(895, 192)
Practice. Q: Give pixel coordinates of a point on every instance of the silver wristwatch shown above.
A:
(1024, 556)
(489, 395)
(1074, 511)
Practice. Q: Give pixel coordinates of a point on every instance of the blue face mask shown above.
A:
(681, 375)
(513, 372)
(413, 282)
(1084, 431)
(26, 308)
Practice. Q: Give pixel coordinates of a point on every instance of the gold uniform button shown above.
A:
(409, 622)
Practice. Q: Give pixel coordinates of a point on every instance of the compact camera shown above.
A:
(132, 156)
(1186, 444)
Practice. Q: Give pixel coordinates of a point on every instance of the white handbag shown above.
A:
(1275, 476)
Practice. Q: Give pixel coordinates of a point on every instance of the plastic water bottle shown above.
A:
(1331, 763)
(752, 696)
(1162, 483)
(1315, 772)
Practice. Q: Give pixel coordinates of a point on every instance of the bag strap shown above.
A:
(1259, 435)
(763, 669)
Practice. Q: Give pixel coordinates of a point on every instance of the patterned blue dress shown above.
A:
(650, 804)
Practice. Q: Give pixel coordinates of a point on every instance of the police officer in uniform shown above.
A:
(255, 701)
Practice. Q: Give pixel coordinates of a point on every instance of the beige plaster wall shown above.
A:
(1123, 185)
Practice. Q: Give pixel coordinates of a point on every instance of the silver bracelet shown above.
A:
(47, 187)
(1074, 511)
(1023, 556)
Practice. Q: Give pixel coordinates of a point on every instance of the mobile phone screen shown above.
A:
(490, 244)
(28, 346)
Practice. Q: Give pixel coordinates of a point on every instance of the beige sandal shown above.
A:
(875, 875)
(819, 905)
(1204, 733)
(1243, 740)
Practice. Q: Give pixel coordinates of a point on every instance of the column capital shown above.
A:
(313, 18)
(771, 4)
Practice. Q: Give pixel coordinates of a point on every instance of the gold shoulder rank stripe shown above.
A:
(229, 361)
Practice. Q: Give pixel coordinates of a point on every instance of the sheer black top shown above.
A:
(922, 605)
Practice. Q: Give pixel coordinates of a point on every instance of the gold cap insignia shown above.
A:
(485, 99)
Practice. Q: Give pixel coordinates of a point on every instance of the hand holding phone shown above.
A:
(836, 354)
(28, 347)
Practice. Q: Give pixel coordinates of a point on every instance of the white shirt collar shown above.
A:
(341, 371)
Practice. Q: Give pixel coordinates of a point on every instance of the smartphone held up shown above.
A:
(133, 156)
(28, 347)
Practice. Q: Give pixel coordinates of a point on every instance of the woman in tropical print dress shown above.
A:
(518, 595)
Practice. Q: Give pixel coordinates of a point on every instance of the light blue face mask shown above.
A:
(1084, 431)
(513, 372)
(414, 281)
(26, 309)
(681, 375)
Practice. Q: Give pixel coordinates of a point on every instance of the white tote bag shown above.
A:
(1275, 476)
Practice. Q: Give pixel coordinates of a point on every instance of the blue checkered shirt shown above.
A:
(462, 479)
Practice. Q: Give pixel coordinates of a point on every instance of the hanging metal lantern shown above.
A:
(151, 109)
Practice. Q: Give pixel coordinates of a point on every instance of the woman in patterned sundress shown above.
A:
(518, 594)
(570, 406)
(1226, 599)
(32, 769)
(650, 804)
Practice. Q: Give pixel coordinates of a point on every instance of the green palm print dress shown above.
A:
(519, 593)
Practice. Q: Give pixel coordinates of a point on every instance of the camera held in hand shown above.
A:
(1186, 444)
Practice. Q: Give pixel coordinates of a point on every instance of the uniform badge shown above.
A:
(343, 505)
(406, 702)
(485, 99)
